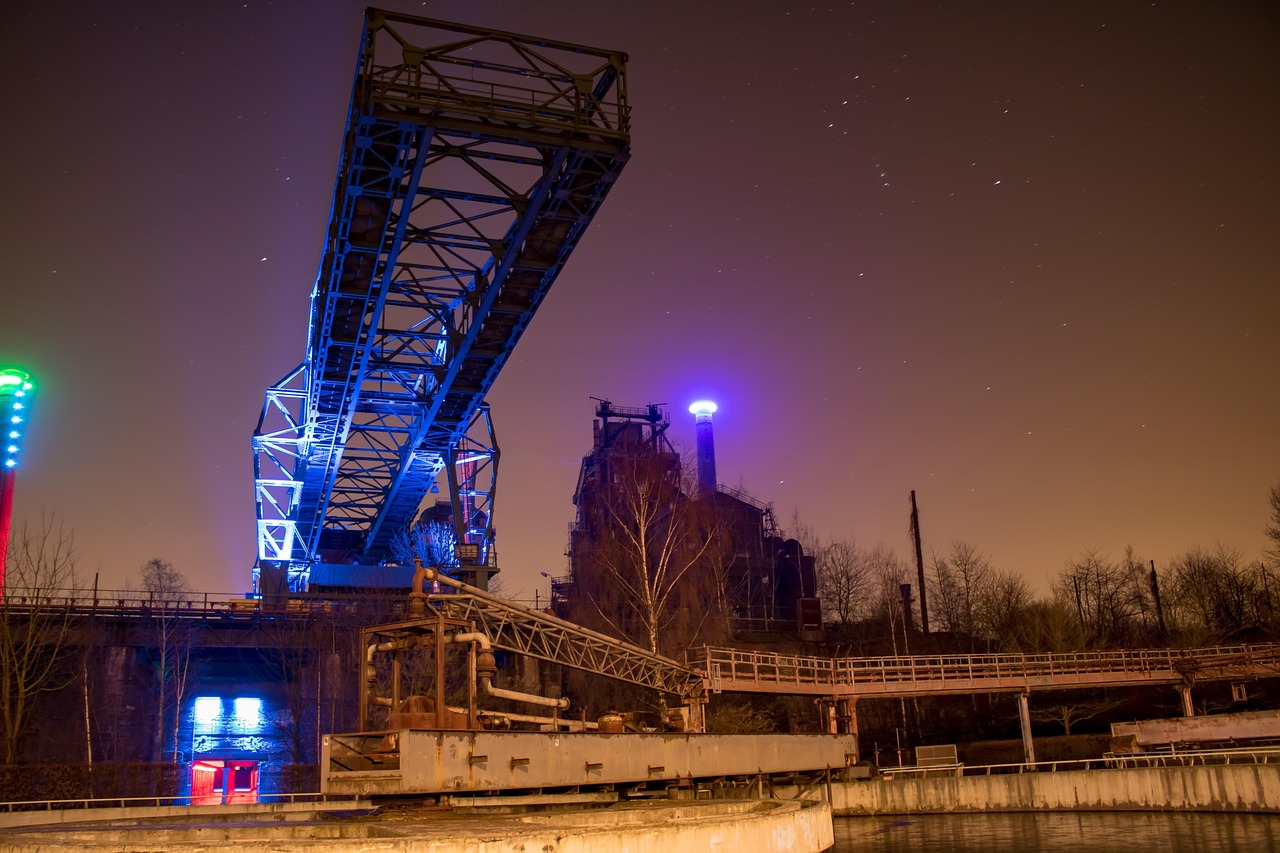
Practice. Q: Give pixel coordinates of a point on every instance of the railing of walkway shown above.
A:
(740, 669)
(132, 802)
(132, 602)
(1111, 761)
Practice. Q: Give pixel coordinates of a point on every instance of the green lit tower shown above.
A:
(16, 393)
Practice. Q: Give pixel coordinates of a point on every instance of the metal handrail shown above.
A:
(127, 802)
(1110, 761)
(782, 668)
(184, 604)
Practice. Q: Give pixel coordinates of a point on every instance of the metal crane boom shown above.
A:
(472, 163)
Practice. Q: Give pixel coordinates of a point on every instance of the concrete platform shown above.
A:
(754, 825)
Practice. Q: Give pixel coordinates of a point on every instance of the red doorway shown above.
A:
(214, 782)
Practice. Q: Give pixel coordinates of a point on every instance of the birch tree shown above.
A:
(647, 569)
(167, 594)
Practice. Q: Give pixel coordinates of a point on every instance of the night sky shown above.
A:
(1020, 257)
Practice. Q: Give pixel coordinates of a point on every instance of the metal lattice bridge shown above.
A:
(472, 162)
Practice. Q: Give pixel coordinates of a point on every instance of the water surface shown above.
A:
(1059, 832)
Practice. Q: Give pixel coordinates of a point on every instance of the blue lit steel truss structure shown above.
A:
(472, 163)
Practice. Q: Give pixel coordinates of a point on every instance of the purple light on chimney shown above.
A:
(702, 411)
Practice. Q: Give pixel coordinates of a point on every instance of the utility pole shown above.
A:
(915, 536)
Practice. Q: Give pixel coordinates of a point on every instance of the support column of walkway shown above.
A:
(1024, 717)
(1188, 706)
(840, 716)
(847, 719)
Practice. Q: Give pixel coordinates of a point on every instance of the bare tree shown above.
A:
(1068, 712)
(647, 569)
(289, 645)
(960, 581)
(1272, 530)
(1212, 594)
(433, 542)
(888, 574)
(1108, 598)
(1004, 607)
(1051, 626)
(35, 622)
(167, 593)
(844, 580)
(801, 532)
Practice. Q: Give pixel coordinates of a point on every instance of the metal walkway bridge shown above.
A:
(841, 682)
(741, 671)
(472, 162)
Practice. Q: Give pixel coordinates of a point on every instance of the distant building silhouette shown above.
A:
(752, 576)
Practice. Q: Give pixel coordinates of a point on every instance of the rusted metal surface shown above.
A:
(1214, 728)
(426, 762)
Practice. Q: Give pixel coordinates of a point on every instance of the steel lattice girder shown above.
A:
(472, 163)
(529, 632)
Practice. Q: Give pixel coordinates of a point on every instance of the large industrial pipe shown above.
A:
(370, 672)
(485, 672)
(469, 637)
(566, 723)
(418, 598)
(485, 677)
(486, 684)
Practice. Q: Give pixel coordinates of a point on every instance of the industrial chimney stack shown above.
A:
(702, 411)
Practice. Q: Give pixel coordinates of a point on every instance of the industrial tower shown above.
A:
(473, 161)
(759, 579)
(16, 393)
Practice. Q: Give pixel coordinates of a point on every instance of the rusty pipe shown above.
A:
(418, 598)
(370, 674)
(486, 684)
(486, 680)
(470, 637)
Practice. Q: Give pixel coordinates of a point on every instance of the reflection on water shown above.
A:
(1059, 832)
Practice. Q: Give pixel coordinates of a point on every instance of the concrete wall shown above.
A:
(1228, 788)
(1245, 726)
(751, 827)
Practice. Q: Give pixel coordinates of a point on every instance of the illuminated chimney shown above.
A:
(702, 411)
(16, 391)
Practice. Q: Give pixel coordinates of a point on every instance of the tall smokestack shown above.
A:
(702, 411)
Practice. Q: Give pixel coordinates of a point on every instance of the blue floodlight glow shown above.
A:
(248, 711)
(207, 709)
(702, 407)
